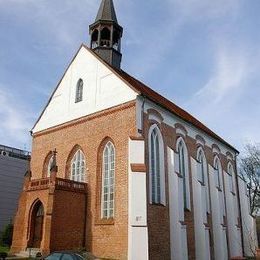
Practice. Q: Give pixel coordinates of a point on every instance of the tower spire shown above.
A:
(106, 11)
(106, 34)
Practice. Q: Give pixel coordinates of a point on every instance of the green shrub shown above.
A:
(7, 235)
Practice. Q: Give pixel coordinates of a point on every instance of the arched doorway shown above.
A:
(37, 218)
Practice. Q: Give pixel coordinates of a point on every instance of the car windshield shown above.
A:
(67, 257)
(54, 256)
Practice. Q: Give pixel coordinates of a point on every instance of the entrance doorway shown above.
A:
(37, 219)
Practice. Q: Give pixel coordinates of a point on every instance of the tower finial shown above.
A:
(106, 34)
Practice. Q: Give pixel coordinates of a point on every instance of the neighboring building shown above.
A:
(13, 165)
(123, 172)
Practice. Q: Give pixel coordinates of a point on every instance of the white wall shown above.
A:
(137, 222)
(102, 89)
(202, 242)
(219, 232)
(178, 234)
(234, 232)
(248, 222)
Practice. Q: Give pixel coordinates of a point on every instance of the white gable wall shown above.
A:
(102, 89)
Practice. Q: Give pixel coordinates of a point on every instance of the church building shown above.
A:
(122, 172)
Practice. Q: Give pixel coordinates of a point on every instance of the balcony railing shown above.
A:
(58, 183)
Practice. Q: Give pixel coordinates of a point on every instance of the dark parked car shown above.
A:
(64, 256)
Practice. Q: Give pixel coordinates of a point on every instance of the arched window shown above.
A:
(108, 182)
(94, 39)
(201, 166)
(105, 37)
(78, 166)
(79, 91)
(116, 40)
(218, 170)
(202, 175)
(183, 171)
(219, 186)
(156, 162)
(50, 164)
(231, 178)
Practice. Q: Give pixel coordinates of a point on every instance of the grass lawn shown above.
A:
(4, 249)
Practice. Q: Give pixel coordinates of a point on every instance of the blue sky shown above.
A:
(202, 54)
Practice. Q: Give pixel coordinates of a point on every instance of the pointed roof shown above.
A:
(106, 11)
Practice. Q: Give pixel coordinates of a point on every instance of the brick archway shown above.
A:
(36, 225)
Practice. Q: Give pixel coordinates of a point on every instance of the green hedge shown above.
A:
(7, 235)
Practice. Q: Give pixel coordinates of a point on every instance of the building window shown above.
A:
(202, 175)
(156, 162)
(217, 172)
(79, 91)
(231, 178)
(201, 167)
(50, 164)
(78, 167)
(108, 182)
(183, 172)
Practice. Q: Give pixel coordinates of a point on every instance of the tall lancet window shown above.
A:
(78, 167)
(201, 167)
(50, 163)
(108, 182)
(156, 169)
(220, 186)
(202, 175)
(231, 178)
(217, 167)
(182, 169)
(79, 91)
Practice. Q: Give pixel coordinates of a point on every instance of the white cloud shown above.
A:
(16, 120)
(223, 102)
(230, 72)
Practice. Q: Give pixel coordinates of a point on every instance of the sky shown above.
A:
(204, 55)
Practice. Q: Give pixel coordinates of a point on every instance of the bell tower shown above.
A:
(106, 34)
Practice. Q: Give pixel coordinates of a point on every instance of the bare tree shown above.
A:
(250, 171)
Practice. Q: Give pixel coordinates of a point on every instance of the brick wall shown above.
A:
(103, 239)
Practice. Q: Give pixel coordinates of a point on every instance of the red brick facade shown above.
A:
(72, 216)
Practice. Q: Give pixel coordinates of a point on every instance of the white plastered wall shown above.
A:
(248, 222)
(234, 232)
(201, 232)
(219, 232)
(178, 234)
(102, 89)
(137, 207)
